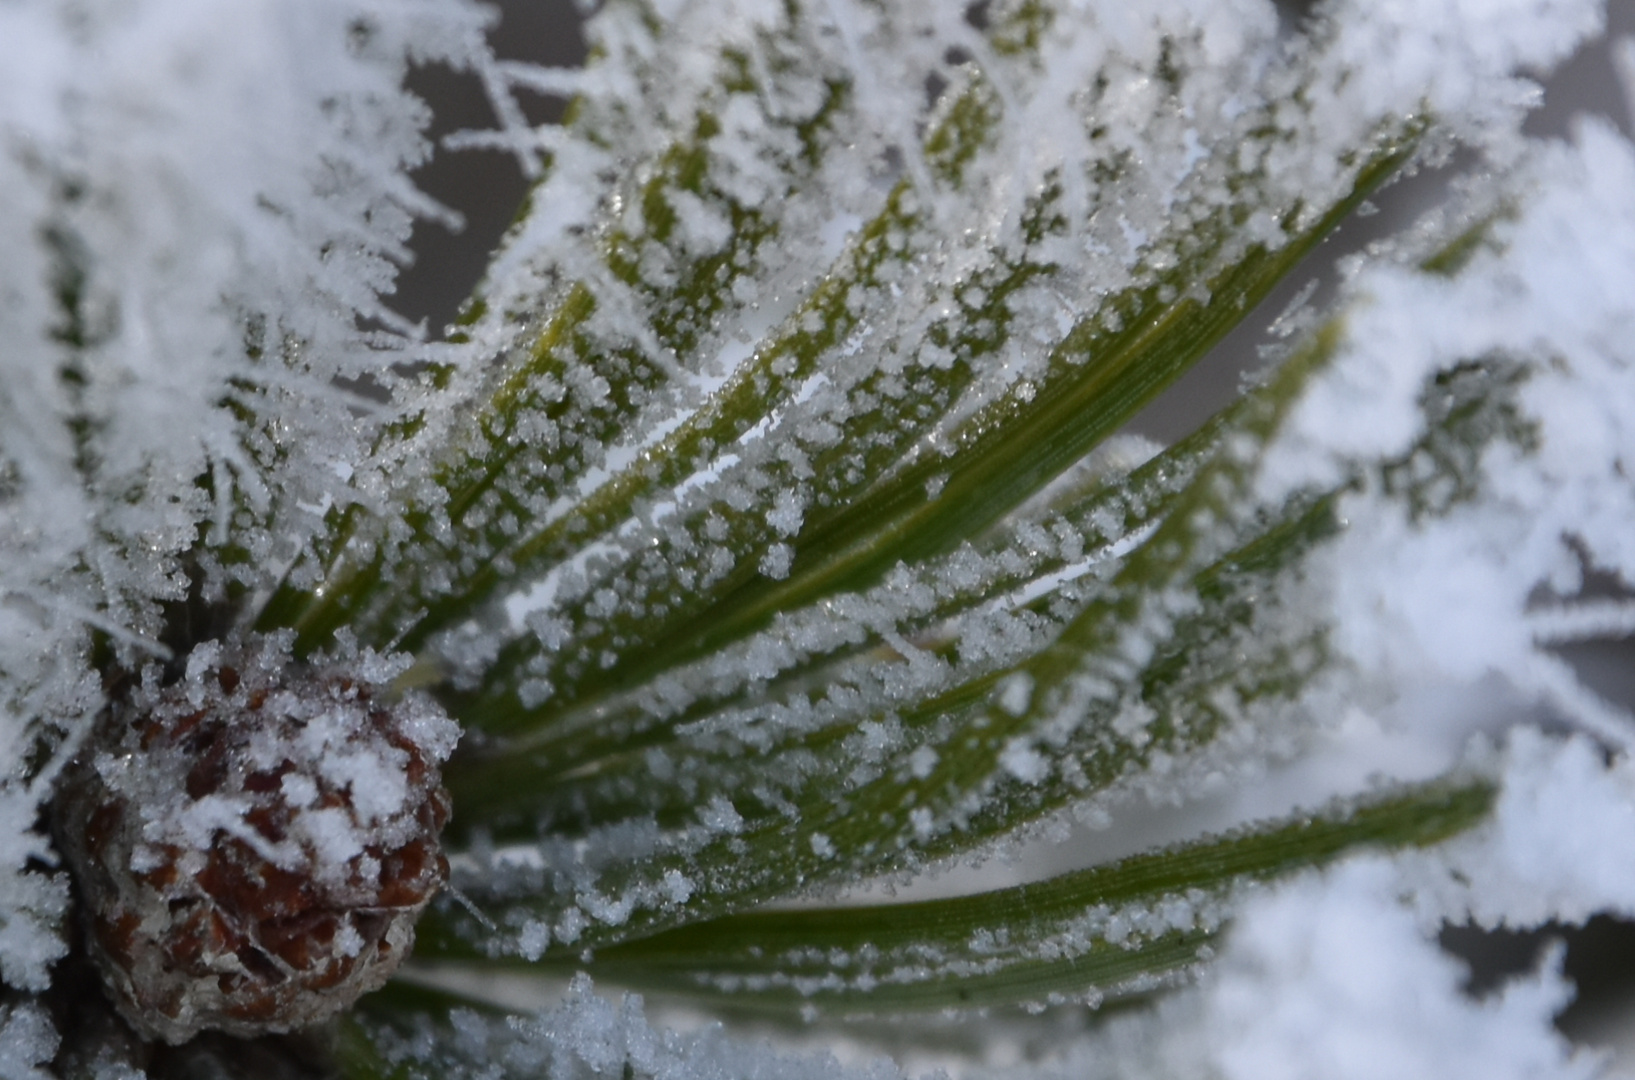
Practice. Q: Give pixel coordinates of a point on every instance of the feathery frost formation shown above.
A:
(204, 209)
(765, 521)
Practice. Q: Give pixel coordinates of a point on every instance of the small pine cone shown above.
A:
(253, 843)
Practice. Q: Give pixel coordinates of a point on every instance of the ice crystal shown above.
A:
(766, 526)
(253, 843)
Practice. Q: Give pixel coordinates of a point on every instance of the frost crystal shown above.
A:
(589, 1036)
(753, 521)
(254, 842)
(205, 211)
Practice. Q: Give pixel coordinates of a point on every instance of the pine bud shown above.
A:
(252, 844)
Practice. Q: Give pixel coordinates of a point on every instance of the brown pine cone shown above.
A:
(253, 844)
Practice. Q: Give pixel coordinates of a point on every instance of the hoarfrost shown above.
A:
(1555, 849)
(1339, 974)
(1318, 974)
(204, 207)
(28, 1042)
(588, 1035)
(1444, 582)
(34, 899)
(777, 281)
